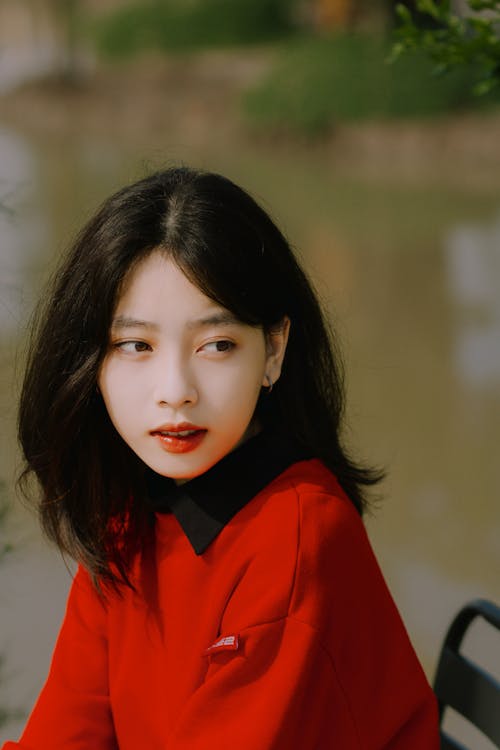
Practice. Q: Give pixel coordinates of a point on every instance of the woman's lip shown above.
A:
(177, 443)
(180, 427)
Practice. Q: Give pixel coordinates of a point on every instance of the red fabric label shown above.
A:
(224, 643)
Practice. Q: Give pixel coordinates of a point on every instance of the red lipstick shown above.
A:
(179, 438)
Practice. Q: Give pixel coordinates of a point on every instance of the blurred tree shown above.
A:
(346, 15)
(179, 26)
(468, 39)
(333, 14)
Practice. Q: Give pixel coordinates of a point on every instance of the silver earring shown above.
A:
(270, 386)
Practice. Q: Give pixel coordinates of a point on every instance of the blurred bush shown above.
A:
(181, 25)
(319, 81)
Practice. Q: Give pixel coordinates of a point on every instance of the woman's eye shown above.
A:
(218, 346)
(132, 347)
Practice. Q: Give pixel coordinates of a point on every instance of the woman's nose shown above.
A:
(174, 385)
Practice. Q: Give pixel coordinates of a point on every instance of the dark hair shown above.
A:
(233, 252)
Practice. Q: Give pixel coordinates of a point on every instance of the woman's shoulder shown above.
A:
(303, 516)
(331, 535)
(318, 497)
(298, 534)
(286, 513)
(337, 583)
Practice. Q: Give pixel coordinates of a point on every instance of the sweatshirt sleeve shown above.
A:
(73, 708)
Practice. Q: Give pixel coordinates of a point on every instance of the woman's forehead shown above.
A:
(158, 290)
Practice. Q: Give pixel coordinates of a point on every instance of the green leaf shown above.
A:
(403, 14)
(480, 5)
(484, 87)
(398, 48)
(431, 8)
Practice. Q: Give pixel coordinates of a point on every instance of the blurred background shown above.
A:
(384, 175)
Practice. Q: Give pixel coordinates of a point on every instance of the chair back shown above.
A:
(463, 685)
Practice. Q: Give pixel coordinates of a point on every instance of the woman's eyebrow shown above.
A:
(123, 321)
(224, 317)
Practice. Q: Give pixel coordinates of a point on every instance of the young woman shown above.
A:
(181, 412)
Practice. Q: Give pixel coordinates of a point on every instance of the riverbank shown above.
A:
(197, 99)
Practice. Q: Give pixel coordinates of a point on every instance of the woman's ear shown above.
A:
(276, 341)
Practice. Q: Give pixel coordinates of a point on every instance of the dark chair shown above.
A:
(463, 685)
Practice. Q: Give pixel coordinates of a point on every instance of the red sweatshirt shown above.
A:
(268, 627)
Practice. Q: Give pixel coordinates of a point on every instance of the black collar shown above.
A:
(205, 504)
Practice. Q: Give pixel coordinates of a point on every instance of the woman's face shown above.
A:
(182, 375)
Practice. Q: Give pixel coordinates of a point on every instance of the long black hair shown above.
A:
(225, 244)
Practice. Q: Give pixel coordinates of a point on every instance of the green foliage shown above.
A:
(318, 82)
(456, 42)
(179, 25)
